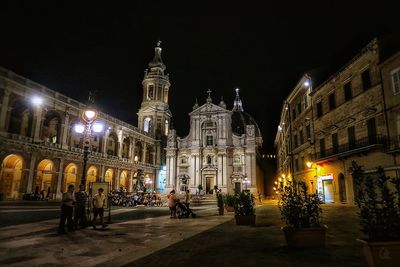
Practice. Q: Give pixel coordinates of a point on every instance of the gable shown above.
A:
(208, 108)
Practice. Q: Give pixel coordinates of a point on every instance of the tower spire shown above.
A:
(237, 104)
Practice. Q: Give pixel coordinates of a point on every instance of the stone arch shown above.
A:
(112, 144)
(138, 151)
(70, 176)
(11, 176)
(45, 179)
(342, 187)
(21, 118)
(52, 127)
(123, 180)
(147, 124)
(126, 143)
(74, 139)
(91, 175)
(149, 154)
(109, 177)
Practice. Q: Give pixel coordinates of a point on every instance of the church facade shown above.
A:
(221, 149)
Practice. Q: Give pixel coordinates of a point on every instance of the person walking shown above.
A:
(172, 203)
(99, 202)
(67, 207)
(80, 215)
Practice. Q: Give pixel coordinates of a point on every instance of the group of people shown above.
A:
(131, 200)
(173, 202)
(73, 205)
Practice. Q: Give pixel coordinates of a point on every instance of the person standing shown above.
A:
(67, 207)
(172, 203)
(80, 215)
(187, 197)
(99, 202)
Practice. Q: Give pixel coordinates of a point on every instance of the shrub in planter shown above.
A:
(301, 213)
(378, 200)
(229, 202)
(244, 208)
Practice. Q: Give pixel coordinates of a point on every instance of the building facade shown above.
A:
(352, 117)
(221, 149)
(39, 150)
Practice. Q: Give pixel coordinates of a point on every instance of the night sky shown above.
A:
(261, 48)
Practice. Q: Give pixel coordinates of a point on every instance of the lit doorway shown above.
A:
(328, 190)
(11, 176)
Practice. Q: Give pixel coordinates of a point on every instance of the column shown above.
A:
(220, 171)
(144, 152)
(102, 170)
(130, 181)
(224, 171)
(60, 178)
(120, 139)
(133, 150)
(104, 146)
(117, 178)
(4, 108)
(129, 156)
(65, 128)
(31, 173)
(168, 170)
(37, 123)
(193, 171)
(253, 170)
(198, 174)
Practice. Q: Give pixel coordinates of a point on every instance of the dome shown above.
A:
(239, 121)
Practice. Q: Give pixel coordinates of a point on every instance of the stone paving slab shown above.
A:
(123, 243)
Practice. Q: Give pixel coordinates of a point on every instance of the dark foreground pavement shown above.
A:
(264, 245)
(156, 240)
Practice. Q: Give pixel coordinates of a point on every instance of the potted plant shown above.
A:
(244, 209)
(220, 204)
(378, 200)
(301, 213)
(229, 202)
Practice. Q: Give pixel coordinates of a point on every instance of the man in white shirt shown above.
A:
(67, 207)
(99, 202)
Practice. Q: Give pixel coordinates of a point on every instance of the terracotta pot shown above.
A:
(221, 211)
(305, 237)
(383, 253)
(245, 219)
(229, 208)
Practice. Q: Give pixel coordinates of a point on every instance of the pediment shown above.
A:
(209, 108)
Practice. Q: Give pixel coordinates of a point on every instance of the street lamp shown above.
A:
(246, 181)
(88, 127)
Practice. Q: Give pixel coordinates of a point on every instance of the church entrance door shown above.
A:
(210, 183)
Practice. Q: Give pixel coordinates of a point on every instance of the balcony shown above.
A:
(359, 145)
(394, 145)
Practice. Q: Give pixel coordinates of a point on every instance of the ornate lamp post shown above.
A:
(88, 128)
(246, 181)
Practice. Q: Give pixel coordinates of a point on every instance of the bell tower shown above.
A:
(154, 114)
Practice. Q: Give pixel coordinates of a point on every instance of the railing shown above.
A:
(357, 145)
